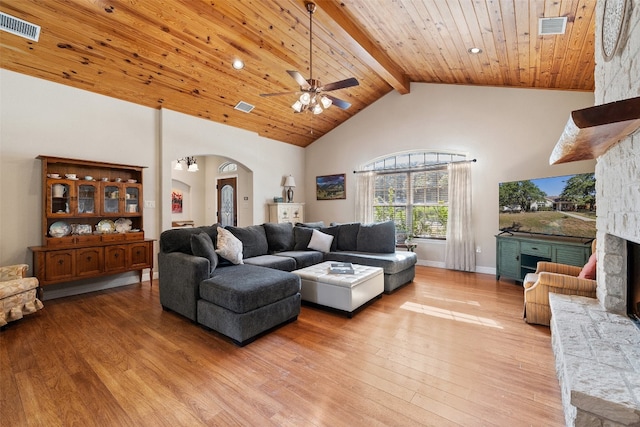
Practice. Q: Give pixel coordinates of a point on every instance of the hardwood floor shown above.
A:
(449, 349)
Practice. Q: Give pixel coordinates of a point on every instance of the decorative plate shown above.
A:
(106, 226)
(123, 225)
(59, 229)
(80, 229)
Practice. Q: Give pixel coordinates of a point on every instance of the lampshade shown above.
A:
(305, 98)
(326, 102)
(297, 106)
(289, 182)
(192, 165)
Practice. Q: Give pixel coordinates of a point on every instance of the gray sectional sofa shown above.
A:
(257, 291)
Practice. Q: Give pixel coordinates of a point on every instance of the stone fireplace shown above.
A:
(597, 346)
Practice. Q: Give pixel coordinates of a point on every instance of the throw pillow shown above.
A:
(202, 246)
(279, 236)
(179, 240)
(229, 246)
(253, 238)
(348, 236)
(332, 231)
(378, 237)
(301, 238)
(317, 225)
(589, 269)
(320, 241)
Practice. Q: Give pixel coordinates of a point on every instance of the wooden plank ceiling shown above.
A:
(177, 54)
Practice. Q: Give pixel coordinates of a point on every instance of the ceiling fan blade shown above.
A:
(352, 81)
(279, 93)
(338, 102)
(304, 84)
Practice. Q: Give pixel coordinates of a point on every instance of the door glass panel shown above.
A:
(86, 199)
(60, 194)
(226, 208)
(110, 198)
(131, 198)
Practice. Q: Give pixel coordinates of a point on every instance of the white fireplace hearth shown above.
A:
(597, 362)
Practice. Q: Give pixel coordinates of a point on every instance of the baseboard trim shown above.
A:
(437, 264)
(63, 290)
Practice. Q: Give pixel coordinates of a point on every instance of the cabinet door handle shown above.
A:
(116, 255)
(534, 248)
(60, 261)
(517, 257)
(89, 258)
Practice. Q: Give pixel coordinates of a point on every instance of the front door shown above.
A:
(227, 202)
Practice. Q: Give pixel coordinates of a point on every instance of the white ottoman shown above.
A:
(345, 292)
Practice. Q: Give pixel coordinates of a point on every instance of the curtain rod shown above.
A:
(416, 169)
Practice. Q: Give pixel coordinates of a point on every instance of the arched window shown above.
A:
(227, 167)
(412, 190)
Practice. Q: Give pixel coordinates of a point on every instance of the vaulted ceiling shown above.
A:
(177, 54)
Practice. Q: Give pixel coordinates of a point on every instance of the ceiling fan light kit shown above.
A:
(312, 97)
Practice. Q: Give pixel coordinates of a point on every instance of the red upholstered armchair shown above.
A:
(560, 279)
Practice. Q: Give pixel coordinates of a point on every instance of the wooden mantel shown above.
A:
(590, 132)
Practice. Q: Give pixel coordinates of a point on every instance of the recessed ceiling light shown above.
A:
(474, 50)
(237, 64)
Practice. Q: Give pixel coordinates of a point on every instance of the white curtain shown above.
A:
(460, 253)
(364, 197)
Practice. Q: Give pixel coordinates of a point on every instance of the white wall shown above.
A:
(244, 189)
(268, 160)
(193, 187)
(511, 132)
(40, 117)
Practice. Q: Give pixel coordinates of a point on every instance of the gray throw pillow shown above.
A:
(202, 246)
(253, 238)
(348, 236)
(317, 225)
(332, 231)
(279, 236)
(379, 237)
(179, 239)
(301, 236)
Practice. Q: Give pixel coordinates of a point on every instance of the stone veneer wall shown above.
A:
(618, 170)
(596, 346)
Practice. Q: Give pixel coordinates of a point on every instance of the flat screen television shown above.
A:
(554, 206)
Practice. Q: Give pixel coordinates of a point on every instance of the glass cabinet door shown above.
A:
(111, 199)
(87, 198)
(132, 198)
(59, 197)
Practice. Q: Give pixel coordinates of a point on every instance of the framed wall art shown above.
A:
(176, 201)
(331, 187)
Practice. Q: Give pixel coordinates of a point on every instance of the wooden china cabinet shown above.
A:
(91, 221)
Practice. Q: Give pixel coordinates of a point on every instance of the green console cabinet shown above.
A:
(518, 254)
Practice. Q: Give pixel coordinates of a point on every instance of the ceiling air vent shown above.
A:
(547, 26)
(243, 106)
(17, 26)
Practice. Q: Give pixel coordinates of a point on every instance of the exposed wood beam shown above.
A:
(363, 46)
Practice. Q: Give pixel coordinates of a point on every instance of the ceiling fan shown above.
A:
(314, 97)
